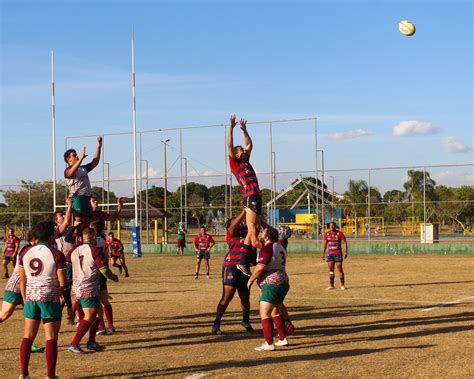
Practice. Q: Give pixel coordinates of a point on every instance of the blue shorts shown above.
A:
(334, 257)
(232, 277)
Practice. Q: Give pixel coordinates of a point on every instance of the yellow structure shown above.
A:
(411, 226)
(304, 222)
(359, 226)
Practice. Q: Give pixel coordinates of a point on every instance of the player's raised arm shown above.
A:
(235, 223)
(230, 139)
(67, 218)
(96, 159)
(247, 139)
(115, 216)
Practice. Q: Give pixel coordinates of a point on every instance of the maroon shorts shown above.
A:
(182, 243)
(116, 254)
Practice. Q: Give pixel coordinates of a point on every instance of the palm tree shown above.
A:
(414, 186)
(356, 195)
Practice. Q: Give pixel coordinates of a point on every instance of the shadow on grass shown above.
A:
(277, 357)
(414, 284)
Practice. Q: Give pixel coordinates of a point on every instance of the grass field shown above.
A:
(402, 316)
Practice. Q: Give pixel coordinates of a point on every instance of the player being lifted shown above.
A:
(78, 183)
(239, 159)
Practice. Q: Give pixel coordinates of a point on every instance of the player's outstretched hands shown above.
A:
(69, 202)
(99, 141)
(243, 124)
(83, 154)
(120, 203)
(233, 121)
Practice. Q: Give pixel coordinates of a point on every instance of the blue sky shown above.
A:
(382, 99)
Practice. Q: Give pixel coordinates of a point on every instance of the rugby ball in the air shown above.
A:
(406, 28)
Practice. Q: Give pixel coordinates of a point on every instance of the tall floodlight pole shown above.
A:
(135, 181)
(166, 189)
(53, 114)
(186, 192)
(181, 174)
(322, 188)
(316, 172)
(146, 202)
(271, 217)
(226, 160)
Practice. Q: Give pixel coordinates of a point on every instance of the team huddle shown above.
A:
(67, 266)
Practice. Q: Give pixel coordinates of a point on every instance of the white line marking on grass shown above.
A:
(195, 376)
(447, 303)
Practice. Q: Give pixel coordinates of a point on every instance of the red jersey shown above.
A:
(245, 175)
(334, 241)
(115, 247)
(11, 245)
(203, 241)
(99, 215)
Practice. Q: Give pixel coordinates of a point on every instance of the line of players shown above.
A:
(58, 257)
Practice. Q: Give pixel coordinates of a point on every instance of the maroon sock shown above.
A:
(342, 280)
(280, 325)
(101, 322)
(25, 352)
(81, 332)
(331, 279)
(93, 329)
(80, 312)
(109, 315)
(267, 326)
(51, 353)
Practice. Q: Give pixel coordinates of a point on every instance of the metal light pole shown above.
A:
(322, 185)
(186, 192)
(108, 185)
(317, 175)
(332, 198)
(166, 190)
(146, 202)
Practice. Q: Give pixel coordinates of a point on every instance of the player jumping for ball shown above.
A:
(239, 159)
(78, 183)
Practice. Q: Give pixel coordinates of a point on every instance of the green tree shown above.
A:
(414, 189)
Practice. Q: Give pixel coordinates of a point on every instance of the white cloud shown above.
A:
(350, 134)
(414, 128)
(450, 145)
(453, 178)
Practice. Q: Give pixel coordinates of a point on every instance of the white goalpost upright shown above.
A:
(53, 114)
(134, 111)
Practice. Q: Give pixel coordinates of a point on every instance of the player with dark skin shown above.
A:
(333, 240)
(241, 155)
